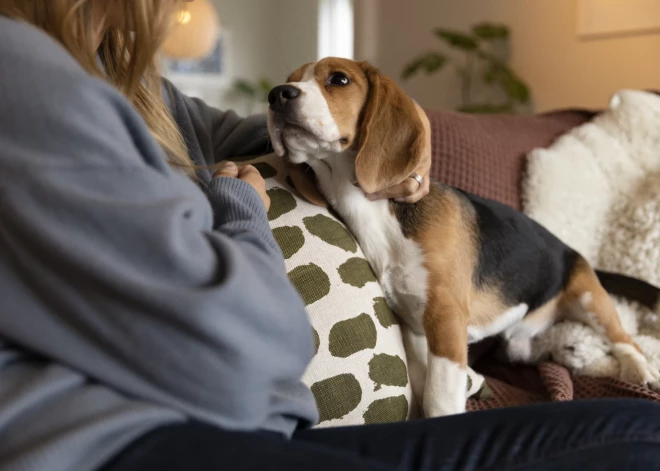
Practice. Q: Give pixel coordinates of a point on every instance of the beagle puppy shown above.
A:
(455, 267)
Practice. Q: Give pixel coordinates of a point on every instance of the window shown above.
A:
(336, 28)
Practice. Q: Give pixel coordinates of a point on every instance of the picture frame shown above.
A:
(206, 78)
(598, 19)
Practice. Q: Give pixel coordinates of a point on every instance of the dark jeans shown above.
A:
(582, 435)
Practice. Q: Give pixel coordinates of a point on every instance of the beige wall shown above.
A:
(296, 28)
(267, 38)
(247, 23)
(562, 70)
(270, 37)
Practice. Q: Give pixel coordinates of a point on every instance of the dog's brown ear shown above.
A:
(304, 180)
(392, 137)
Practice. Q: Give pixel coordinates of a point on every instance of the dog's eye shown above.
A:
(339, 80)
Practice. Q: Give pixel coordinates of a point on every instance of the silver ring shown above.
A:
(416, 176)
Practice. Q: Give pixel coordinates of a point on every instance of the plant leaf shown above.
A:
(488, 57)
(411, 69)
(434, 62)
(244, 87)
(429, 63)
(494, 71)
(516, 89)
(491, 31)
(457, 39)
(498, 72)
(266, 85)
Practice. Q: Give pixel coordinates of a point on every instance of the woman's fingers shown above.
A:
(227, 169)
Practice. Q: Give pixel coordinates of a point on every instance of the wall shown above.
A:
(562, 70)
(268, 38)
(248, 23)
(296, 35)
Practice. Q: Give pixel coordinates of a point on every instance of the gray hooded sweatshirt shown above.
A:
(130, 296)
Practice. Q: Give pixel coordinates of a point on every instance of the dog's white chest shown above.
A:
(397, 261)
(404, 281)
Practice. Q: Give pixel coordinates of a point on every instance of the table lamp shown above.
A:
(195, 33)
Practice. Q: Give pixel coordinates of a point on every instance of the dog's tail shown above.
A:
(631, 288)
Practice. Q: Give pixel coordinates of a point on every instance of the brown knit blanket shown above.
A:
(486, 155)
(519, 385)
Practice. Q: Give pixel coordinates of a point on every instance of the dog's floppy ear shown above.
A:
(392, 137)
(304, 180)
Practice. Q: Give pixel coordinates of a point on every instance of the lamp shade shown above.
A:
(195, 33)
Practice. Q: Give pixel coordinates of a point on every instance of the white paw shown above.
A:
(445, 389)
(634, 371)
(635, 368)
(447, 404)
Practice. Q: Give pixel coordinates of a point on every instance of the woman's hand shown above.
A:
(249, 175)
(409, 190)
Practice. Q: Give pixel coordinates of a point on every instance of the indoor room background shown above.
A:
(568, 53)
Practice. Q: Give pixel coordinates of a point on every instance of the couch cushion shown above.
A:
(485, 154)
(359, 373)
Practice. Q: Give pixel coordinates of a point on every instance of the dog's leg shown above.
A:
(585, 300)
(416, 348)
(518, 338)
(445, 325)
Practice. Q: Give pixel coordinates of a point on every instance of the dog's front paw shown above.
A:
(635, 368)
(439, 406)
(445, 390)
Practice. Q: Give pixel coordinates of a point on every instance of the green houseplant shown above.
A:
(255, 94)
(480, 62)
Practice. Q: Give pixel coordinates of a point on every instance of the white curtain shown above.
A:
(336, 29)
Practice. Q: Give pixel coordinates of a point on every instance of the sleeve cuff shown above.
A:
(234, 197)
(237, 207)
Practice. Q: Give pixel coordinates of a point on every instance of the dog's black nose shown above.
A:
(279, 96)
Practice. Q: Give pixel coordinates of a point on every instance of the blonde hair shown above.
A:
(128, 52)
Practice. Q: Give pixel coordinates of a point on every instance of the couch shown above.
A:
(359, 373)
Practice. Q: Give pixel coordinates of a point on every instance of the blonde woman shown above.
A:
(146, 319)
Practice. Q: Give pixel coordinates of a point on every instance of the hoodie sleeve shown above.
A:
(110, 263)
(221, 135)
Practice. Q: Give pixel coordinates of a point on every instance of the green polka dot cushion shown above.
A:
(359, 373)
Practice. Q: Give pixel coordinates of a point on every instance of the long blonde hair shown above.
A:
(128, 52)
